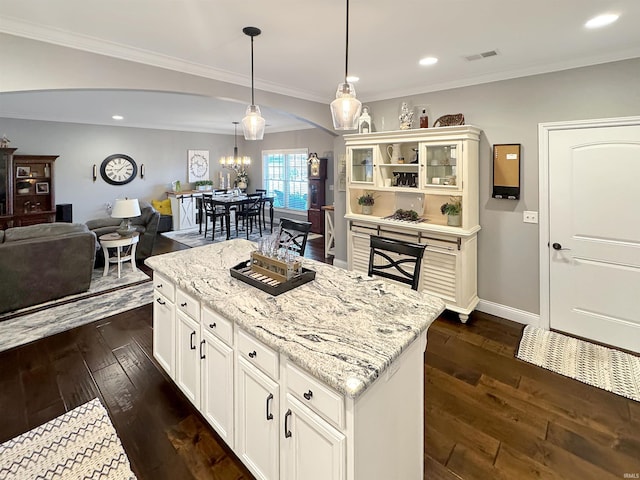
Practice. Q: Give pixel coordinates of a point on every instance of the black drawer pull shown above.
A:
(253, 354)
(212, 325)
(160, 301)
(269, 414)
(202, 355)
(159, 285)
(183, 304)
(191, 337)
(308, 395)
(287, 432)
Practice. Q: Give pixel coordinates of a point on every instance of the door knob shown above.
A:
(557, 246)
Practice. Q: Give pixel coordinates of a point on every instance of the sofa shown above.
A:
(146, 224)
(43, 262)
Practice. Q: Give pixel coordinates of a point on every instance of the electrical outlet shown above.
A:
(530, 217)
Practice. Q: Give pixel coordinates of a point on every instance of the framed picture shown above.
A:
(23, 172)
(42, 188)
(198, 165)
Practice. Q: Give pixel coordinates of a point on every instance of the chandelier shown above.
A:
(235, 162)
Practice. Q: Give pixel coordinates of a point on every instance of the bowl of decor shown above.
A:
(366, 201)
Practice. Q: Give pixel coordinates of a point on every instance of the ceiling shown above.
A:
(301, 49)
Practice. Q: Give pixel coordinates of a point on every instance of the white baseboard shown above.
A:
(340, 263)
(510, 313)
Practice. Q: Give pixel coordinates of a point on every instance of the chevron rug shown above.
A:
(81, 444)
(602, 367)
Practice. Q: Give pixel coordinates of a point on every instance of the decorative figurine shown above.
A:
(364, 122)
(406, 117)
(4, 142)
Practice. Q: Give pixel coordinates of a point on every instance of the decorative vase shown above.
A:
(454, 220)
(242, 185)
(366, 209)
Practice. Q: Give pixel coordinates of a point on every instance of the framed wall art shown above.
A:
(198, 165)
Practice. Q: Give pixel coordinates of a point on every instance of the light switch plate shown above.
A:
(529, 217)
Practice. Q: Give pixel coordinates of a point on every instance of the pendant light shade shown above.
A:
(253, 123)
(345, 109)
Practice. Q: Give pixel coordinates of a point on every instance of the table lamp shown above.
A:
(126, 209)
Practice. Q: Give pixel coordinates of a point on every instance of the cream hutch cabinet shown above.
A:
(419, 170)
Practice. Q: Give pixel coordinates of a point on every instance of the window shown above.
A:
(285, 177)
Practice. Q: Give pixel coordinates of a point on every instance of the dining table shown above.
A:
(228, 200)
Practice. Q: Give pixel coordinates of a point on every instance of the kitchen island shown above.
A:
(323, 381)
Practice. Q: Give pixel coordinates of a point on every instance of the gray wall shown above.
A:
(507, 111)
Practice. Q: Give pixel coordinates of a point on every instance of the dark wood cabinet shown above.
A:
(33, 191)
(317, 185)
(6, 187)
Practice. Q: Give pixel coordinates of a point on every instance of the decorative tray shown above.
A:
(244, 273)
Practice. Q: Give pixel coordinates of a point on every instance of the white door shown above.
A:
(188, 358)
(257, 403)
(217, 386)
(311, 448)
(594, 233)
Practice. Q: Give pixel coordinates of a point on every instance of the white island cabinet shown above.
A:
(322, 382)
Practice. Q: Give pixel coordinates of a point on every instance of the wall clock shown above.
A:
(198, 164)
(118, 169)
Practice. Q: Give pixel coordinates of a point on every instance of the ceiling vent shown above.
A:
(480, 56)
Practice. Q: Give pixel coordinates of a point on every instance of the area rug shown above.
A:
(98, 285)
(602, 367)
(58, 318)
(192, 238)
(81, 444)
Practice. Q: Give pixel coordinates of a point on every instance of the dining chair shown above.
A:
(263, 192)
(250, 213)
(293, 234)
(396, 260)
(210, 212)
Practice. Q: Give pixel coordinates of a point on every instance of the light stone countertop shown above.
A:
(343, 328)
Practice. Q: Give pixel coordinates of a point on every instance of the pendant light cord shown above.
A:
(252, 99)
(346, 54)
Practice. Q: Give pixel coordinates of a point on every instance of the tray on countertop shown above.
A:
(243, 272)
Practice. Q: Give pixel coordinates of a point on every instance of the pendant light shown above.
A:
(252, 123)
(345, 109)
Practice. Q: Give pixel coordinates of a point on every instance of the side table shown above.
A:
(113, 240)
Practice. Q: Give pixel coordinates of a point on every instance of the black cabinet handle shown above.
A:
(269, 414)
(212, 325)
(183, 304)
(287, 432)
(253, 354)
(308, 395)
(160, 301)
(159, 285)
(191, 338)
(202, 355)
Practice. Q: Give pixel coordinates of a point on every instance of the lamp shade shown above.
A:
(253, 124)
(127, 208)
(345, 109)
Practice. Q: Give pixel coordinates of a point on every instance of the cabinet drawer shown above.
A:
(258, 354)
(218, 325)
(187, 304)
(164, 286)
(316, 395)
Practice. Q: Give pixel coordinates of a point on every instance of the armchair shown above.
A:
(146, 224)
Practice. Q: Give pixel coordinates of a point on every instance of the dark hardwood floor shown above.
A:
(487, 414)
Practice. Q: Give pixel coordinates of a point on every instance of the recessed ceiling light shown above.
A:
(117, 117)
(601, 20)
(352, 78)
(428, 61)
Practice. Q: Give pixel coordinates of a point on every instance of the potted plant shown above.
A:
(204, 185)
(453, 210)
(242, 179)
(366, 201)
